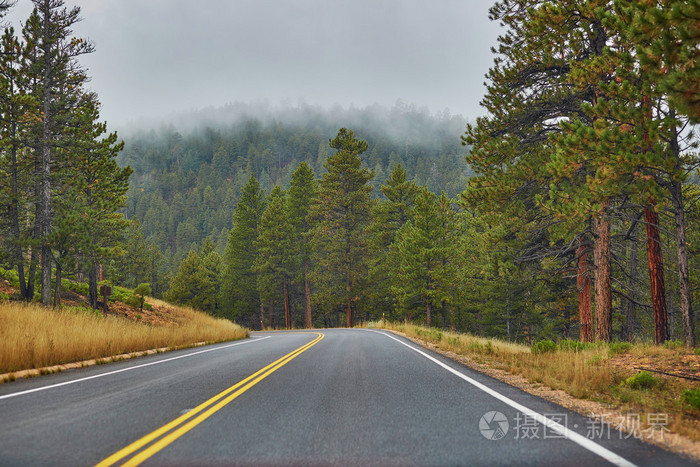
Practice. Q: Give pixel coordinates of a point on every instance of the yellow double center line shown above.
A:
(198, 414)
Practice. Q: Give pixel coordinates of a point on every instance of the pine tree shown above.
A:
(342, 214)
(302, 192)
(528, 94)
(94, 187)
(17, 109)
(275, 261)
(388, 217)
(425, 248)
(665, 35)
(239, 292)
(55, 78)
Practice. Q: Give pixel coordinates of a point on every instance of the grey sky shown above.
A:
(158, 57)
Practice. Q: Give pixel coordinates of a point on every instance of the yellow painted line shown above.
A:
(239, 388)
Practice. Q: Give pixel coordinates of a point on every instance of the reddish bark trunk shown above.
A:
(603, 290)
(656, 274)
(428, 313)
(583, 284)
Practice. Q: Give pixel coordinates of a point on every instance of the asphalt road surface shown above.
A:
(332, 397)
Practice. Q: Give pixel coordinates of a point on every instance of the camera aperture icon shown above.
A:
(493, 425)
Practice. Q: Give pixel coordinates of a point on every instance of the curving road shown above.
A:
(332, 397)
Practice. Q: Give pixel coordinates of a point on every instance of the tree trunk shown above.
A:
(57, 289)
(603, 290)
(631, 309)
(46, 275)
(262, 316)
(270, 314)
(92, 284)
(681, 246)
(428, 313)
(583, 285)
(683, 272)
(656, 274)
(14, 214)
(286, 304)
(44, 220)
(31, 279)
(307, 291)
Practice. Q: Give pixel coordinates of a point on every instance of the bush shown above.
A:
(692, 397)
(619, 347)
(673, 345)
(544, 347)
(570, 345)
(642, 380)
(133, 301)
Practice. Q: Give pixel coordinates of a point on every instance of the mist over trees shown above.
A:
(569, 210)
(188, 180)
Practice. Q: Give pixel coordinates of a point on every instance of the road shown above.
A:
(332, 397)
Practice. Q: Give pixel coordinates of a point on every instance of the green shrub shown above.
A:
(692, 397)
(697, 351)
(642, 380)
(4, 296)
(544, 347)
(619, 347)
(673, 345)
(11, 276)
(81, 288)
(133, 301)
(571, 345)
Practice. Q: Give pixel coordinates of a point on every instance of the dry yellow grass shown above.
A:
(595, 373)
(32, 336)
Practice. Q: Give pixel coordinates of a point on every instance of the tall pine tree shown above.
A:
(239, 288)
(342, 214)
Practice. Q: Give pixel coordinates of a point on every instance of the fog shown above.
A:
(158, 58)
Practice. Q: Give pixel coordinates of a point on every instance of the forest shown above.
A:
(568, 211)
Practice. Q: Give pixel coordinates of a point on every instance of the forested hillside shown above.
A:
(579, 221)
(188, 178)
(569, 210)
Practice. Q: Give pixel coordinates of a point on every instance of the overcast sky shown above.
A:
(154, 58)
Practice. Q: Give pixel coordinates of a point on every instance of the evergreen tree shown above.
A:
(302, 193)
(388, 217)
(94, 188)
(239, 293)
(425, 248)
(275, 259)
(55, 78)
(196, 283)
(17, 108)
(342, 214)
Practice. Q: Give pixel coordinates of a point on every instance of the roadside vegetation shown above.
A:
(608, 373)
(34, 336)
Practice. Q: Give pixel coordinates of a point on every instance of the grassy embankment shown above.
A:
(32, 336)
(605, 373)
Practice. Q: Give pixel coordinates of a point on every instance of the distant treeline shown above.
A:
(187, 182)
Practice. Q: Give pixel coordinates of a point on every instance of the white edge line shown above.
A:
(65, 383)
(570, 435)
